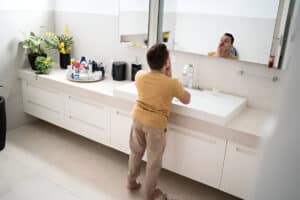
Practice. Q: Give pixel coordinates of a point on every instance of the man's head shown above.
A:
(226, 41)
(158, 56)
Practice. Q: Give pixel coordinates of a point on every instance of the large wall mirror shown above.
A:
(133, 22)
(258, 27)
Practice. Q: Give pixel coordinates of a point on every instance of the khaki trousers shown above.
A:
(154, 141)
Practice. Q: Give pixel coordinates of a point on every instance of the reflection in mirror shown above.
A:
(133, 22)
(257, 26)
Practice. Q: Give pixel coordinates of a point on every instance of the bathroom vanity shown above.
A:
(214, 140)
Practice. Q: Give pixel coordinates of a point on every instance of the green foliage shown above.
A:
(43, 64)
(62, 43)
(32, 43)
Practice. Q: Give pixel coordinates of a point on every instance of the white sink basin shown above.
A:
(208, 106)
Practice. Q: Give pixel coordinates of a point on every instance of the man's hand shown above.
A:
(167, 68)
(168, 71)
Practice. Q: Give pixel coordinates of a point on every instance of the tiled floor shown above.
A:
(42, 161)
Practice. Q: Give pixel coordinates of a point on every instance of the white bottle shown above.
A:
(184, 79)
(190, 72)
(187, 75)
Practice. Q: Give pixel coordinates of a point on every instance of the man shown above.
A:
(156, 89)
(225, 48)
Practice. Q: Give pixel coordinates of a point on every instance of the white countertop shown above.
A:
(105, 87)
(249, 120)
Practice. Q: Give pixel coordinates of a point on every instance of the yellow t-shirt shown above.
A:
(154, 100)
(231, 56)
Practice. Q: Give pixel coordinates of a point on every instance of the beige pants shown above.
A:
(154, 141)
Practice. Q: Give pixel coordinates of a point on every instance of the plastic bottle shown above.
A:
(190, 72)
(90, 69)
(187, 75)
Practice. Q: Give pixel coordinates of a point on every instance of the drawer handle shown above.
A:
(207, 140)
(42, 106)
(83, 121)
(123, 114)
(1, 86)
(86, 102)
(245, 151)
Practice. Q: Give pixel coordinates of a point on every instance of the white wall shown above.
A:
(244, 8)
(134, 5)
(102, 42)
(104, 7)
(17, 16)
(33, 5)
(279, 176)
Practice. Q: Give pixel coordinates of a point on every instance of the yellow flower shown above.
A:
(63, 51)
(49, 34)
(67, 30)
(61, 45)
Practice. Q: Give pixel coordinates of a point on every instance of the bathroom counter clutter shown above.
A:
(213, 140)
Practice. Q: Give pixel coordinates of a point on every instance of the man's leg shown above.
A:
(137, 146)
(156, 142)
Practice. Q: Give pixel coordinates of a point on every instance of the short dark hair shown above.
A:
(157, 56)
(231, 36)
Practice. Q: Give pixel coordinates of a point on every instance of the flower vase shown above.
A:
(64, 60)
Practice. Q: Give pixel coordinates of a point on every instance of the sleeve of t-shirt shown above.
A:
(178, 89)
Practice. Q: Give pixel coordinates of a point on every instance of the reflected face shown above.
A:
(225, 43)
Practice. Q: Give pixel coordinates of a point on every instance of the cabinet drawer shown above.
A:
(120, 130)
(88, 118)
(43, 102)
(194, 155)
(239, 170)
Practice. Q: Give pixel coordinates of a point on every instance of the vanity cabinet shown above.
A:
(201, 156)
(195, 155)
(239, 171)
(120, 125)
(43, 101)
(87, 118)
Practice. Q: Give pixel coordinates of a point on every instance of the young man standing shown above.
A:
(156, 90)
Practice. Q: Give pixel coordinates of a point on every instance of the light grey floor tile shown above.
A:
(37, 188)
(62, 165)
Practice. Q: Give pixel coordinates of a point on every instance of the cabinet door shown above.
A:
(120, 130)
(195, 155)
(88, 118)
(239, 170)
(43, 102)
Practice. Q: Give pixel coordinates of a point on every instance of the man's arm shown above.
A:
(185, 98)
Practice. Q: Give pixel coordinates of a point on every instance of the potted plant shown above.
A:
(33, 44)
(43, 64)
(63, 44)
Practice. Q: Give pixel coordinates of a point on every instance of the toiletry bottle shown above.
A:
(90, 69)
(184, 78)
(69, 71)
(190, 72)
